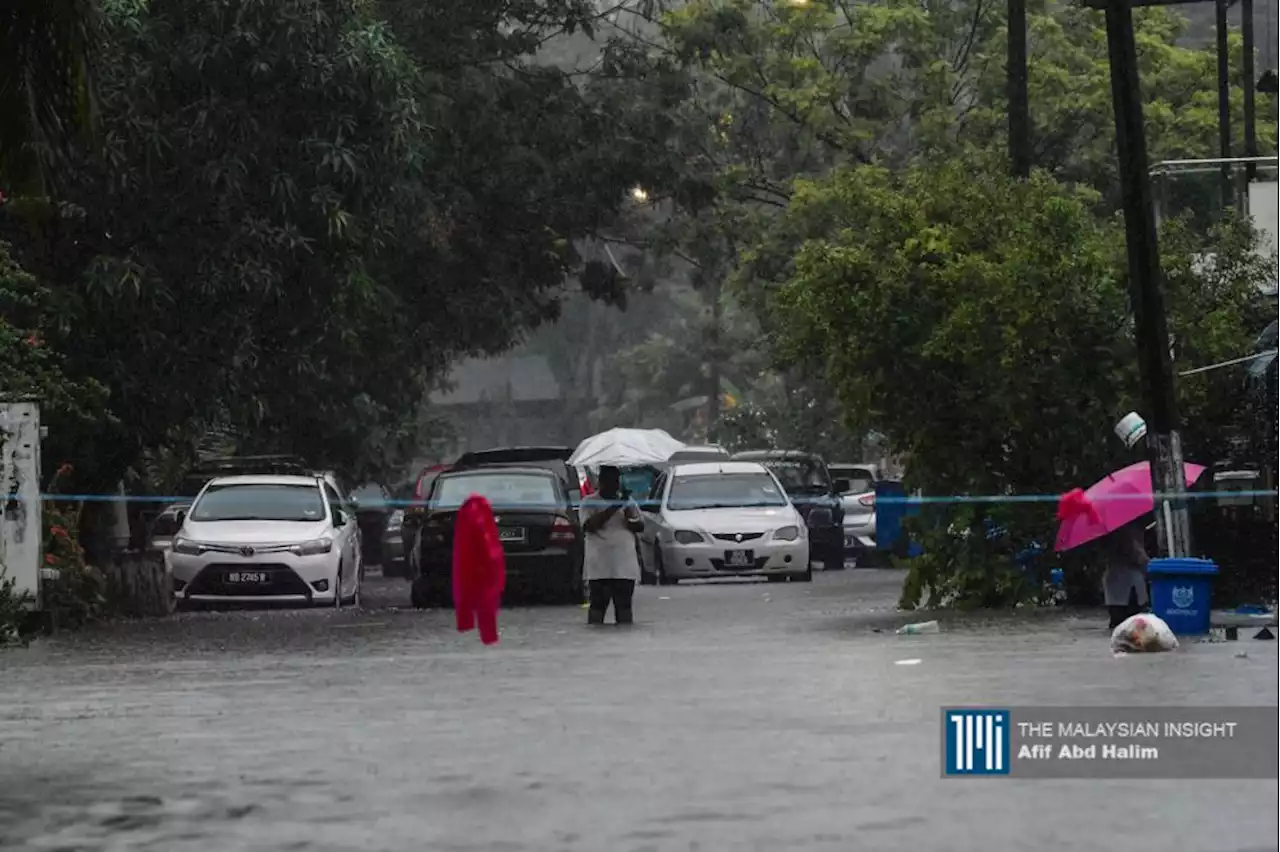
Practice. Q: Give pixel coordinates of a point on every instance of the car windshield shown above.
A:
(511, 490)
(724, 491)
(800, 475)
(301, 503)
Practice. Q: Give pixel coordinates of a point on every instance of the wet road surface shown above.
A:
(733, 716)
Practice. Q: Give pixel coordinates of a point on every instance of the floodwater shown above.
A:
(734, 716)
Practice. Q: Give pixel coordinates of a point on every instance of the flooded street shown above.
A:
(741, 716)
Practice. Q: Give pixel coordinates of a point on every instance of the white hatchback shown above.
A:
(718, 519)
(268, 539)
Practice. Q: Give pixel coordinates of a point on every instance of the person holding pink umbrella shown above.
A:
(1112, 509)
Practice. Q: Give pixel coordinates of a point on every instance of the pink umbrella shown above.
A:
(1109, 504)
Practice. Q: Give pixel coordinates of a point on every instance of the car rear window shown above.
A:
(800, 475)
(302, 503)
(503, 490)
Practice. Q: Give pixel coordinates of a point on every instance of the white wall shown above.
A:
(1263, 200)
(20, 519)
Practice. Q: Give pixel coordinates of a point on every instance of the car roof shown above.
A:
(492, 470)
(700, 451)
(776, 455)
(712, 468)
(266, 479)
(517, 454)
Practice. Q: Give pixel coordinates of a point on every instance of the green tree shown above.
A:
(304, 212)
(982, 325)
(46, 88)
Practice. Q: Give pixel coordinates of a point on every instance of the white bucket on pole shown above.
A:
(1131, 429)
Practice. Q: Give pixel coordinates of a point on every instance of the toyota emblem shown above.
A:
(738, 537)
(247, 551)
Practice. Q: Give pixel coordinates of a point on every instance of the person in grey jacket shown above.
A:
(1124, 584)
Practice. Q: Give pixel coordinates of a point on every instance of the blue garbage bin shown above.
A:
(1181, 593)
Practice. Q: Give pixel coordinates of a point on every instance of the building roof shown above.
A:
(508, 378)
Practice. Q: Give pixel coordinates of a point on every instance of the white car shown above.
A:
(268, 539)
(722, 519)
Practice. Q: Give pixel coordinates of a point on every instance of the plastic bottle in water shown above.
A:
(918, 628)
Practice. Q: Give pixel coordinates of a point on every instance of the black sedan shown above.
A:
(536, 523)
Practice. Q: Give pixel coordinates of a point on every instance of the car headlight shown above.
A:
(312, 548)
(688, 537)
(396, 521)
(185, 546)
(787, 534)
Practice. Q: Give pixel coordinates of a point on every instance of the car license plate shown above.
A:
(738, 558)
(511, 534)
(248, 577)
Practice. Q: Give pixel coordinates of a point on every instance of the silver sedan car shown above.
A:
(723, 519)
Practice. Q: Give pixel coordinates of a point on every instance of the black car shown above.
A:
(815, 496)
(536, 522)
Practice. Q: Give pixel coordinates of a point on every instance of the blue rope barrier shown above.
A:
(921, 500)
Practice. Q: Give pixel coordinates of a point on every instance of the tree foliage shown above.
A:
(304, 211)
(982, 323)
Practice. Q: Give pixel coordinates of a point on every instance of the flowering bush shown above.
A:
(78, 594)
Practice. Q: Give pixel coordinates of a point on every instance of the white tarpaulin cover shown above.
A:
(625, 448)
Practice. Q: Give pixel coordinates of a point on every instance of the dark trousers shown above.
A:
(617, 592)
(1119, 614)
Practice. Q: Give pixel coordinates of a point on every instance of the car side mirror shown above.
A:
(842, 486)
(339, 518)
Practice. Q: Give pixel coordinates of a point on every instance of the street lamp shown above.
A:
(639, 195)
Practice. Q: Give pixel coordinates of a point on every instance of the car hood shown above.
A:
(254, 532)
(734, 520)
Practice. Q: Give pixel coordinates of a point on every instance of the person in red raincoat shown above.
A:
(479, 569)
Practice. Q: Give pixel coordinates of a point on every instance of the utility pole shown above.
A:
(1164, 448)
(1019, 108)
(1224, 99)
(1250, 106)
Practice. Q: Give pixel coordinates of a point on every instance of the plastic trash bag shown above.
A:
(1143, 633)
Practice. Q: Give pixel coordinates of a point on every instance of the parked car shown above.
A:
(279, 539)
(537, 525)
(164, 527)
(395, 561)
(414, 511)
(372, 505)
(858, 495)
(809, 485)
(718, 519)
